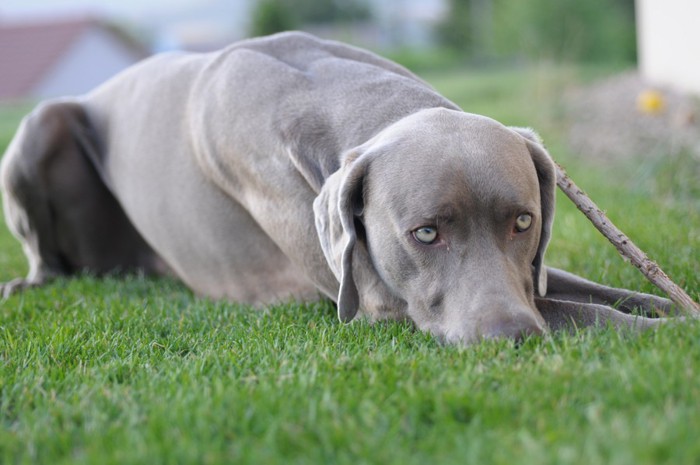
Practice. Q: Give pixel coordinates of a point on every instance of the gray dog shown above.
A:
(290, 167)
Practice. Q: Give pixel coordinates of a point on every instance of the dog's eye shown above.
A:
(523, 222)
(425, 235)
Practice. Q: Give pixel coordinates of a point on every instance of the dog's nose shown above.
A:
(516, 328)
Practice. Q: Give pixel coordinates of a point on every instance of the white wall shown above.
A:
(668, 39)
(92, 59)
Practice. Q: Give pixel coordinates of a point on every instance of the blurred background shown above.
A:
(624, 75)
(423, 33)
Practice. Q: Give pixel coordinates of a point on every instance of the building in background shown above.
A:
(49, 58)
(668, 40)
(55, 56)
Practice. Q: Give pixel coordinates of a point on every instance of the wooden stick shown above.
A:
(624, 245)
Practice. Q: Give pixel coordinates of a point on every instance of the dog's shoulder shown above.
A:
(301, 51)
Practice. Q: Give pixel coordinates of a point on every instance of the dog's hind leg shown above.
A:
(58, 207)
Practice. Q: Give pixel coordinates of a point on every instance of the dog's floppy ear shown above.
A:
(337, 210)
(546, 175)
(334, 210)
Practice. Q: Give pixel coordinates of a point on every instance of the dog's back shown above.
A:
(216, 158)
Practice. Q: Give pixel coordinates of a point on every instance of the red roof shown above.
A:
(29, 50)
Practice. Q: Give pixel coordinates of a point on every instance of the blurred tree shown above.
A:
(332, 11)
(271, 16)
(568, 30)
(455, 31)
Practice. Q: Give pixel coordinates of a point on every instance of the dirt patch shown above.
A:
(611, 120)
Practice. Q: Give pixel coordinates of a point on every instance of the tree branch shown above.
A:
(624, 245)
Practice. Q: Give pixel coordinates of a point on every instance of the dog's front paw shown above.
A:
(655, 306)
(16, 285)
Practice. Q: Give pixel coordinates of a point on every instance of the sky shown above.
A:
(165, 21)
(124, 8)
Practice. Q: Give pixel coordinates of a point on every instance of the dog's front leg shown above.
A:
(566, 286)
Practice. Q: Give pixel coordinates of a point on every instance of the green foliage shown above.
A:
(135, 370)
(331, 11)
(561, 30)
(455, 30)
(271, 16)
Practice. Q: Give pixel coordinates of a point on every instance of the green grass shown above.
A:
(139, 370)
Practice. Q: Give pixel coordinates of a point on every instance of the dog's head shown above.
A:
(442, 218)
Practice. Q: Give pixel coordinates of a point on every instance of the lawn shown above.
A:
(139, 370)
